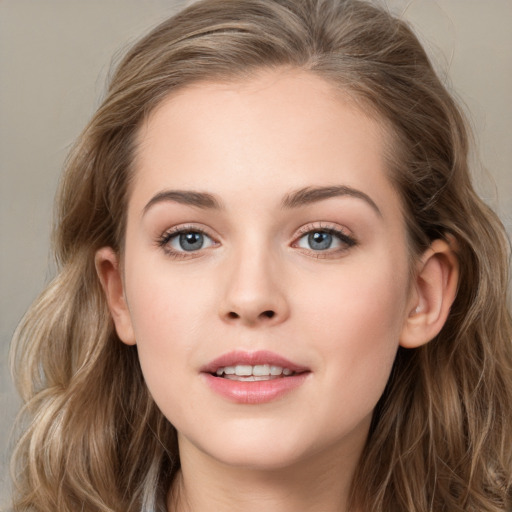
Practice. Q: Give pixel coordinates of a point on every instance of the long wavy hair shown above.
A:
(92, 439)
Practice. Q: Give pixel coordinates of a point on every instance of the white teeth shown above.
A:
(261, 369)
(258, 371)
(250, 378)
(276, 370)
(243, 370)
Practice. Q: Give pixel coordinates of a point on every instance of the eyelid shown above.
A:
(323, 226)
(164, 239)
(345, 237)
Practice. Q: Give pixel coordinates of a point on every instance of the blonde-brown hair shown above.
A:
(440, 440)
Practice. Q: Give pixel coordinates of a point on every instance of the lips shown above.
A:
(253, 377)
(259, 358)
(247, 372)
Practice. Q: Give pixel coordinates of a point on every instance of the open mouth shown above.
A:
(252, 373)
(253, 377)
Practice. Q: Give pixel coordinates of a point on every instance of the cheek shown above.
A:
(363, 298)
(164, 302)
(165, 333)
(164, 324)
(357, 318)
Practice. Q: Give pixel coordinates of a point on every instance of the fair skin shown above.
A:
(251, 266)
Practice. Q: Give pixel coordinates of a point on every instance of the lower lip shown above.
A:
(256, 392)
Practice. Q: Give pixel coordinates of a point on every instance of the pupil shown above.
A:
(191, 241)
(320, 240)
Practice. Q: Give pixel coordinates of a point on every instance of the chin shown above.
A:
(260, 446)
(265, 459)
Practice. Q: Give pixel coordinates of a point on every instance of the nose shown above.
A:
(254, 291)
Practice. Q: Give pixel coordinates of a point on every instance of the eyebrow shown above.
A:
(198, 199)
(296, 199)
(309, 195)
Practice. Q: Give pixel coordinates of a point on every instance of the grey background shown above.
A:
(56, 54)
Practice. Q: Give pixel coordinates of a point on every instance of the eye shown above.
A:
(317, 240)
(325, 240)
(182, 241)
(190, 241)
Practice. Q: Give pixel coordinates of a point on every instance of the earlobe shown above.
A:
(109, 273)
(435, 288)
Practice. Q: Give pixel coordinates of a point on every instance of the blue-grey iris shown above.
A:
(191, 241)
(320, 240)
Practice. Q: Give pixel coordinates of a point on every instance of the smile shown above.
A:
(253, 377)
(250, 373)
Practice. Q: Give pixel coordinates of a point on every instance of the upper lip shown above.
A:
(251, 358)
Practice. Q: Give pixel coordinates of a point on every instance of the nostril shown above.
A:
(232, 315)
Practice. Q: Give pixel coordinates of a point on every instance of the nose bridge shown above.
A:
(254, 291)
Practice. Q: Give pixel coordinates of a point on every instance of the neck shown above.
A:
(322, 482)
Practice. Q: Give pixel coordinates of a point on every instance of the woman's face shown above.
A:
(264, 238)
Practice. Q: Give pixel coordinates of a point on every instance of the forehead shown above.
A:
(281, 127)
(298, 94)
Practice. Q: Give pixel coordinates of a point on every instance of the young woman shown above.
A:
(277, 286)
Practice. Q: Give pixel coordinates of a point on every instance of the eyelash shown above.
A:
(164, 241)
(346, 240)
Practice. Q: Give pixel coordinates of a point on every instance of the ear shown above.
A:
(107, 267)
(434, 291)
